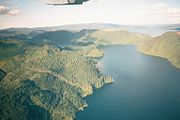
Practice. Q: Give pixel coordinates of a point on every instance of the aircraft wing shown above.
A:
(65, 2)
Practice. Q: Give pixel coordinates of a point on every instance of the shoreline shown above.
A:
(153, 55)
(57, 81)
(107, 80)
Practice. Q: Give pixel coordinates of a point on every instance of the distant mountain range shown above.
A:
(153, 30)
(71, 27)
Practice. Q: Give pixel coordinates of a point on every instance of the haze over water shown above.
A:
(145, 88)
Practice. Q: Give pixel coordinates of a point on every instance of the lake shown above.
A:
(145, 88)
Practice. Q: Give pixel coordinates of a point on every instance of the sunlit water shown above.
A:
(145, 88)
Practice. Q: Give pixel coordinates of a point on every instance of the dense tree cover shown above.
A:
(30, 36)
(46, 74)
(48, 83)
(166, 46)
(2, 74)
(10, 48)
(113, 37)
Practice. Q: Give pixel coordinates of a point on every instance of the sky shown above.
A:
(36, 13)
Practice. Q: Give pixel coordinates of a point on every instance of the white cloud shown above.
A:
(162, 11)
(160, 5)
(14, 12)
(4, 10)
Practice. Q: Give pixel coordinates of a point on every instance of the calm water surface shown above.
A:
(145, 88)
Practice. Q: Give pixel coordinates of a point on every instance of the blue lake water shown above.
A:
(145, 88)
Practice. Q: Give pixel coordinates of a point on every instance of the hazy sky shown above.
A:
(33, 13)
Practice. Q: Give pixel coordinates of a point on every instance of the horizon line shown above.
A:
(71, 24)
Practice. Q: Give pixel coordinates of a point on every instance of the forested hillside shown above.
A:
(46, 74)
(45, 82)
(113, 37)
(166, 46)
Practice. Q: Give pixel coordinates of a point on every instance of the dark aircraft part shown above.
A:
(69, 2)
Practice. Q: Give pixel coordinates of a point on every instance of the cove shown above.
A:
(145, 88)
